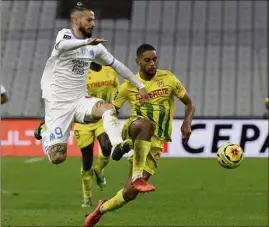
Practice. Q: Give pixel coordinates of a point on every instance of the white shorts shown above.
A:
(59, 117)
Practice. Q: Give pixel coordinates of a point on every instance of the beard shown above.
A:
(151, 72)
(85, 33)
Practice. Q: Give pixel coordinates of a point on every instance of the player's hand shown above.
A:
(144, 96)
(267, 103)
(96, 41)
(186, 131)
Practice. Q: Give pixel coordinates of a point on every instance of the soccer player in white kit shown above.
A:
(64, 91)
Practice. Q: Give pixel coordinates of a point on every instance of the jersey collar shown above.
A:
(74, 34)
(138, 74)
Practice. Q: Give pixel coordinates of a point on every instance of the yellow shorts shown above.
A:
(86, 134)
(154, 155)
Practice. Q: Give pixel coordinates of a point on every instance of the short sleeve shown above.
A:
(178, 89)
(121, 95)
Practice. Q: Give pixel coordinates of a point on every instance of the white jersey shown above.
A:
(64, 76)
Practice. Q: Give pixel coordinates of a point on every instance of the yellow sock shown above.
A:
(87, 177)
(102, 162)
(141, 150)
(114, 203)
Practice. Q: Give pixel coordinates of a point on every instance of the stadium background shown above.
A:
(218, 49)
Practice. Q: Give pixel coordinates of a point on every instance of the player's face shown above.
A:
(148, 62)
(86, 23)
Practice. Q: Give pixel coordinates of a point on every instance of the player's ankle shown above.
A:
(101, 210)
(137, 175)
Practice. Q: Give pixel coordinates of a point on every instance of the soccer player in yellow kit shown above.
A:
(102, 82)
(149, 127)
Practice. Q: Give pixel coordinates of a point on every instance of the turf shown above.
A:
(189, 192)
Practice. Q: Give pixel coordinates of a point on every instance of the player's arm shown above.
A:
(4, 97)
(106, 58)
(267, 103)
(181, 93)
(65, 43)
(189, 108)
(120, 96)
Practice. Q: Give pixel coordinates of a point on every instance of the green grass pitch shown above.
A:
(189, 192)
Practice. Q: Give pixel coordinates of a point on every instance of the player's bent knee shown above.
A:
(102, 107)
(57, 153)
(143, 128)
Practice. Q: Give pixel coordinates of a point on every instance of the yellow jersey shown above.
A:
(162, 89)
(102, 84)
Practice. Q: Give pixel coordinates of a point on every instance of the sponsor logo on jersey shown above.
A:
(78, 66)
(67, 37)
(155, 93)
(100, 84)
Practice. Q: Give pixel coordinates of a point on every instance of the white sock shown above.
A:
(136, 175)
(111, 126)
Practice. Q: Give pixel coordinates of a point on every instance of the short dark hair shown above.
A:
(79, 7)
(143, 48)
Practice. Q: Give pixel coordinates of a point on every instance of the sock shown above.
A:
(141, 150)
(111, 126)
(102, 162)
(114, 203)
(86, 177)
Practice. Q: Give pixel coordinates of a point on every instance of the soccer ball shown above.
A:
(230, 155)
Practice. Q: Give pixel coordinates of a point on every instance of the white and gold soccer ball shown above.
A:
(230, 155)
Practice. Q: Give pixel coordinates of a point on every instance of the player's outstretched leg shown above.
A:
(111, 126)
(141, 130)
(122, 197)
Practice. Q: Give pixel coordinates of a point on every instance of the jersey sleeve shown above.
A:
(120, 96)
(178, 89)
(62, 35)
(64, 41)
(103, 57)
